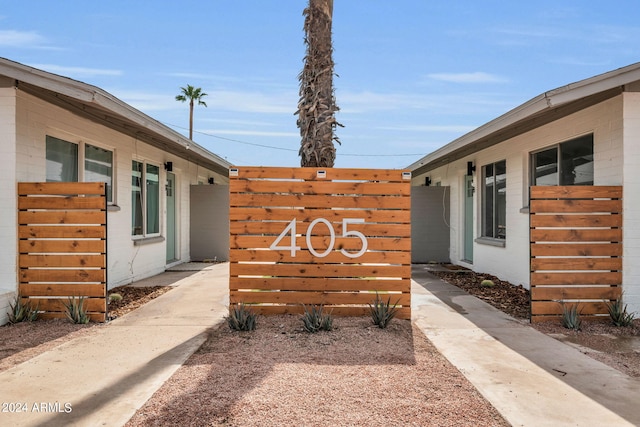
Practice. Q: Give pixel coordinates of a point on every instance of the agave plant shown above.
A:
(241, 318)
(571, 316)
(382, 312)
(315, 320)
(76, 310)
(22, 312)
(618, 313)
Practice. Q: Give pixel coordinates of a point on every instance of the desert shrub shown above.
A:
(21, 312)
(314, 319)
(487, 283)
(76, 310)
(241, 318)
(382, 312)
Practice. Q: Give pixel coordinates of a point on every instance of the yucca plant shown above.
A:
(382, 312)
(241, 318)
(76, 310)
(315, 320)
(571, 316)
(22, 312)
(618, 313)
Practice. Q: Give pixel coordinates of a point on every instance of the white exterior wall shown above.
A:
(631, 202)
(127, 262)
(8, 208)
(511, 262)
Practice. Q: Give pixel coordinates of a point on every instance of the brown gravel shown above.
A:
(356, 375)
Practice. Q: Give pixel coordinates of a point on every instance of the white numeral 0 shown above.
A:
(291, 230)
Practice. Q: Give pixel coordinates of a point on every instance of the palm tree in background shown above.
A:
(192, 94)
(317, 105)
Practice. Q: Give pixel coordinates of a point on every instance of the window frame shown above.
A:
(81, 158)
(560, 169)
(145, 201)
(495, 232)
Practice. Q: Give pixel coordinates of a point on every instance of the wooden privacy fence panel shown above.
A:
(320, 236)
(576, 249)
(62, 246)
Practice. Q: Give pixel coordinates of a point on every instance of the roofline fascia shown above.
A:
(546, 101)
(90, 94)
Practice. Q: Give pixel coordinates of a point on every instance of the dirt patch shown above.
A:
(22, 341)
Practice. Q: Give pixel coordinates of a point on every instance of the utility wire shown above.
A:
(291, 149)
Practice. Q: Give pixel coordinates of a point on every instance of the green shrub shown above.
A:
(241, 318)
(571, 317)
(382, 312)
(315, 320)
(487, 283)
(22, 312)
(618, 313)
(76, 310)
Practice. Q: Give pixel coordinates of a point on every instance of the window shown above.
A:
(568, 163)
(63, 164)
(145, 199)
(494, 200)
(98, 167)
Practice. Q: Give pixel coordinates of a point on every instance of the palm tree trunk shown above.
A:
(191, 120)
(317, 106)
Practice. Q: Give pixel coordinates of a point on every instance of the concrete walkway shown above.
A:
(102, 379)
(529, 377)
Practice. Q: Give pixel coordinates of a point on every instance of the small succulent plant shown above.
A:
(314, 319)
(571, 316)
(241, 318)
(382, 312)
(115, 297)
(76, 310)
(618, 313)
(22, 312)
(487, 283)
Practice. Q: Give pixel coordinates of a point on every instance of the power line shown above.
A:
(291, 149)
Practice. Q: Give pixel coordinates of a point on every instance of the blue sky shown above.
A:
(413, 74)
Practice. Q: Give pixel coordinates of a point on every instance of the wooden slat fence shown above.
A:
(576, 249)
(62, 246)
(320, 236)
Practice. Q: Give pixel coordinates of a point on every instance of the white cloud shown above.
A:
(144, 101)
(477, 77)
(248, 133)
(430, 128)
(23, 39)
(78, 72)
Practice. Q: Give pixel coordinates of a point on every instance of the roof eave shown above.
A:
(605, 85)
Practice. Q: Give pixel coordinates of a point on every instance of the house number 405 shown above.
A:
(291, 231)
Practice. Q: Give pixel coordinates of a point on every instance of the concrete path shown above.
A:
(529, 377)
(102, 379)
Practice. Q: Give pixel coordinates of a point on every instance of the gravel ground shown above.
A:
(354, 375)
